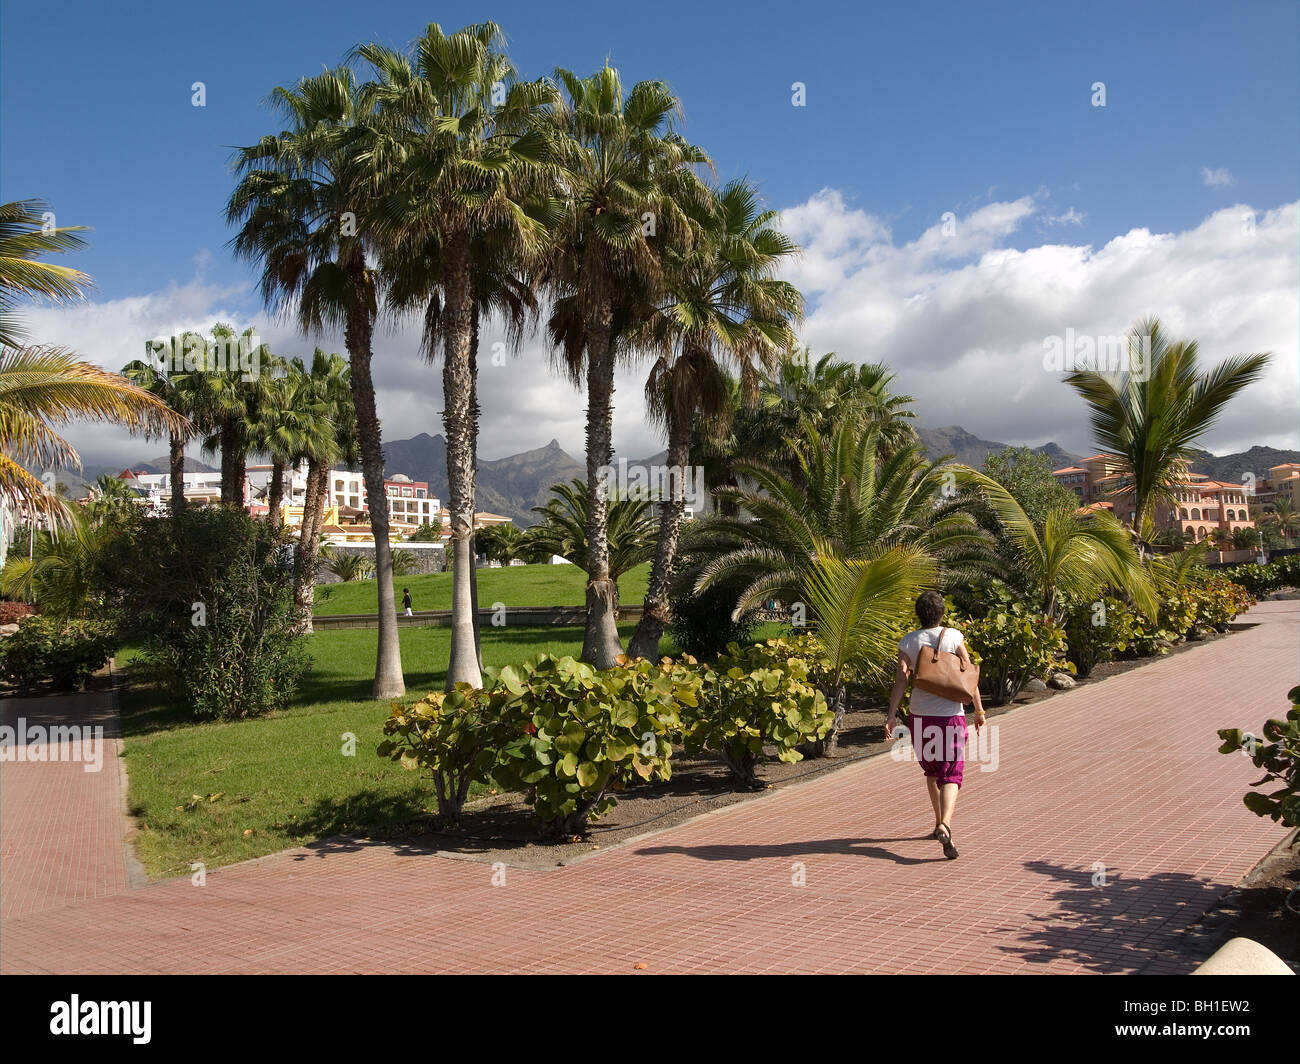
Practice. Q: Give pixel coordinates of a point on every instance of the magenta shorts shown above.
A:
(939, 744)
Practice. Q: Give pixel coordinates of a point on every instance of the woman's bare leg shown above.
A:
(947, 804)
(932, 788)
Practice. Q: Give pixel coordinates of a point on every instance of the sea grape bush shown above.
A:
(1279, 757)
(574, 735)
(453, 736)
(1262, 580)
(758, 696)
(1096, 630)
(1014, 644)
(1219, 601)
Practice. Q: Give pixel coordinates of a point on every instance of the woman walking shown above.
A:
(938, 724)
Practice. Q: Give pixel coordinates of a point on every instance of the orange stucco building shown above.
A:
(1200, 504)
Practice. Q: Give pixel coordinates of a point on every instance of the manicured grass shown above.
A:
(516, 585)
(285, 778)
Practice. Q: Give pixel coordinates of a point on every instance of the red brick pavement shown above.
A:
(62, 828)
(1123, 777)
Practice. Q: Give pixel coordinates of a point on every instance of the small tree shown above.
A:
(207, 594)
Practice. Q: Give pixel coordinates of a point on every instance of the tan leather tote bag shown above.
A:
(943, 673)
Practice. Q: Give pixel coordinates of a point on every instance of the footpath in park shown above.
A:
(1110, 824)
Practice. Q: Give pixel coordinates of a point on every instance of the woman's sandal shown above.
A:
(949, 850)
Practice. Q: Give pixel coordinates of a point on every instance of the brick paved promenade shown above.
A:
(1123, 776)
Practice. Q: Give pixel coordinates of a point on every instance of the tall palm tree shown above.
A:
(1149, 420)
(627, 177)
(301, 206)
(724, 306)
(331, 386)
(848, 500)
(289, 421)
(1068, 552)
(179, 391)
(463, 157)
(25, 235)
(1282, 517)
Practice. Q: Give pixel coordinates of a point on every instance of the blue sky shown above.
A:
(912, 110)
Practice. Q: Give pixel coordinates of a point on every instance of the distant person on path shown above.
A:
(938, 725)
(406, 601)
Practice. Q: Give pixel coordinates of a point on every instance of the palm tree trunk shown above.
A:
(275, 495)
(177, 466)
(457, 422)
(313, 512)
(600, 645)
(654, 615)
(308, 507)
(474, 412)
(230, 496)
(389, 682)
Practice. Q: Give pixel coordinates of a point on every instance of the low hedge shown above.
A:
(43, 653)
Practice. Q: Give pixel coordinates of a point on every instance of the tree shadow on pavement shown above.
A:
(1120, 925)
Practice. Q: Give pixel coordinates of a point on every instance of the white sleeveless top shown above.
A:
(923, 703)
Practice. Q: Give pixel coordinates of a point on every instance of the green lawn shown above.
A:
(516, 585)
(284, 777)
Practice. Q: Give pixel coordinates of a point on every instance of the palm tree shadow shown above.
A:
(869, 848)
(1116, 925)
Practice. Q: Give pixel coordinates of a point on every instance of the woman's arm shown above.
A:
(979, 704)
(896, 695)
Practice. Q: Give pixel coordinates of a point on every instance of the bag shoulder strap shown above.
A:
(937, 644)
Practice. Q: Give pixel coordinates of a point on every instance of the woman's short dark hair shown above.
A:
(929, 608)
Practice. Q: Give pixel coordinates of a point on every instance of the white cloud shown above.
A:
(1069, 217)
(1220, 178)
(962, 318)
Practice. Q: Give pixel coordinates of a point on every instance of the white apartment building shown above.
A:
(409, 501)
(199, 487)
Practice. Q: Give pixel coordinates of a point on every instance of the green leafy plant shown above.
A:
(43, 652)
(1014, 644)
(1279, 757)
(404, 563)
(1219, 601)
(577, 734)
(208, 595)
(453, 735)
(348, 567)
(1096, 630)
(758, 696)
